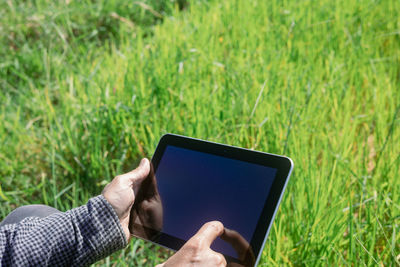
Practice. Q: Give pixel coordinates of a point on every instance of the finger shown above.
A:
(209, 232)
(139, 174)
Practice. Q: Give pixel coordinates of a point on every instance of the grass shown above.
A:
(88, 88)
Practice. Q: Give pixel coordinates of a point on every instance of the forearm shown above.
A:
(77, 237)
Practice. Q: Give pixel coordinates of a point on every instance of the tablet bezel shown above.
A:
(284, 166)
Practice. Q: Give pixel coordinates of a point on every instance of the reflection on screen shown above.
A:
(197, 187)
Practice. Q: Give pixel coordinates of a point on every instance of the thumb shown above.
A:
(139, 174)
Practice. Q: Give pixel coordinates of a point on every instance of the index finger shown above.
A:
(209, 232)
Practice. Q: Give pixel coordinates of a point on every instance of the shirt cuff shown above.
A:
(100, 229)
(117, 223)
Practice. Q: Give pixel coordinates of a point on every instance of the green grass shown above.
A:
(88, 88)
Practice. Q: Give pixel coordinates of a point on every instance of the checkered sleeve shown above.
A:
(78, 237)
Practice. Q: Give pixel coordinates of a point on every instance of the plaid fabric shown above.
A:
(78, 237)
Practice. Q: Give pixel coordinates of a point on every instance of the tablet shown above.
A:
(194, 181)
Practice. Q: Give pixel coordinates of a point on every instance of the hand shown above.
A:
(146, 219)
(196, 252)
(122, 190)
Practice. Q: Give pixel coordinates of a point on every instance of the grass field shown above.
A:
(88, 88)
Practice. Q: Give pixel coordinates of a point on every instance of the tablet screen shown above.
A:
(197, 187)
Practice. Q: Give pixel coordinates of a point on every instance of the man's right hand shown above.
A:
(197, 251)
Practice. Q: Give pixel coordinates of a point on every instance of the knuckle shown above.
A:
(198, 242)
(194, 246)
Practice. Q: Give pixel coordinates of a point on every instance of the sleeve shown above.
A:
(78, 237)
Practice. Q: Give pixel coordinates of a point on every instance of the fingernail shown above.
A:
(217, 225)
(142, 162)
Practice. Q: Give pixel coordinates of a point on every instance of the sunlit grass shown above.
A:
(87, 89)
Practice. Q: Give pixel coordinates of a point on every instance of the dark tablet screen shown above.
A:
(207, 187)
